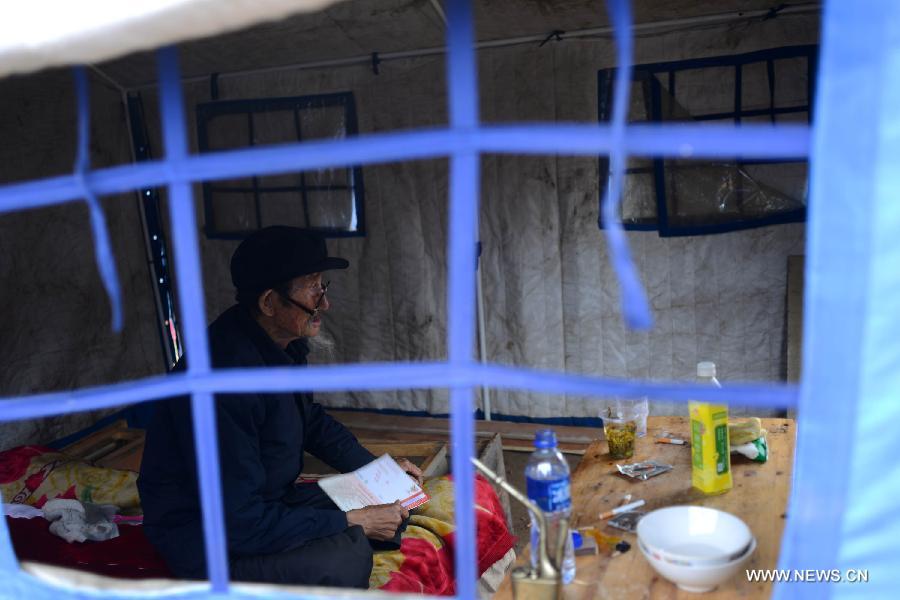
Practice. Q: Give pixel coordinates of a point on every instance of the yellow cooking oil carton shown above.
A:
(710, 451)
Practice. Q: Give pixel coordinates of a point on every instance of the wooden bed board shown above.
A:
(794, 309)
(118, 447)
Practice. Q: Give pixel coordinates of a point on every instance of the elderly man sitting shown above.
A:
(277, 532)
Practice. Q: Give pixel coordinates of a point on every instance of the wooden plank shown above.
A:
(89, 442)
(436, 464)
(564, 448)
(366, 420)
(429, 456)
(425, 449)
(126, 457)
(119, 447)
(794, 318)
(759, 497)
(367, 435)
(516, 436)
(491, 454)
(113, 447)
(433, 452)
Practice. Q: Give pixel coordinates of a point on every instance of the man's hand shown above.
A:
(379, 522)
(411, 469)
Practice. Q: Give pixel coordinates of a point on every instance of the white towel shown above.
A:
(74, 521)
(22, 511)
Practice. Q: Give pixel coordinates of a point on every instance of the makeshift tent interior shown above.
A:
(716, 279)
(550, 297)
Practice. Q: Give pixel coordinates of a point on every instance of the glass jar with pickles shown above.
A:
(620, 431)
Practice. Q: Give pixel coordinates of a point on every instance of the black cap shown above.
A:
(277, 254)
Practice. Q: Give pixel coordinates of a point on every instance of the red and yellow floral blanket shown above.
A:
(35, 474)
(423, 564)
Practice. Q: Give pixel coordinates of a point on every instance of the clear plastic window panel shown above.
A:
(683, 196)
(327, 200)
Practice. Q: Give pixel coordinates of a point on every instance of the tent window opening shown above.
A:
(695, 197)
(328, 200)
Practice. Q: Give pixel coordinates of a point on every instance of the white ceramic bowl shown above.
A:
(695, 547)
(694, 535)
(697, 579)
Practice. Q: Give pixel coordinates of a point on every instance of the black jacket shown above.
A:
(262, 438)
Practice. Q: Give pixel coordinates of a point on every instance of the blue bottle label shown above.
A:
(551, 495)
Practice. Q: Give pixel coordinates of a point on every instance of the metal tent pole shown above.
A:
(511, 41)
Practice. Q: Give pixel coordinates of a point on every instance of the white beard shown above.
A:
(321, 347)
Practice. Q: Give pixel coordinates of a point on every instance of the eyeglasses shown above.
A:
(315, 309)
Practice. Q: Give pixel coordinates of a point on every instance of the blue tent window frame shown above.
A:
(848, 378)
(648, 75)
(207, 112)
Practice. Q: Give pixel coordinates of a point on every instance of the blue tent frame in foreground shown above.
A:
(844, 509)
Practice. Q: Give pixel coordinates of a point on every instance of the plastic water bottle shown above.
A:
(547, 482)
(641, 412)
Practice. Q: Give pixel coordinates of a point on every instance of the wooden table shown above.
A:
(759, 497)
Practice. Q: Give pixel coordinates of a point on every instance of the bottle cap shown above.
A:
(545, 438)
(577, 542)
(706, 369)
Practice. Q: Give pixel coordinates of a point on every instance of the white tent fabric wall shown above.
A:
(56, 327)
(40, 34)
(548, 294)
(390, 305)
(551, 297)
